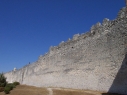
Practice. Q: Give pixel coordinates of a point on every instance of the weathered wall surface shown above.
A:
(95, 60)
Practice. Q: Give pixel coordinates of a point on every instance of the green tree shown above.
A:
(3, 81)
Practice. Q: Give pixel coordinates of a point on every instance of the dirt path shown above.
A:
(64, 91)
(50, 91)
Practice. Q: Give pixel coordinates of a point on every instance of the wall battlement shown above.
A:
(95, 60)
(96, 30)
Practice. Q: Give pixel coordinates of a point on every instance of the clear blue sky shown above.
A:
(29, 27)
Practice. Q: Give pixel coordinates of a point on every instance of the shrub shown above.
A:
(7, 89)
(1, 89)
(13, 85)
(10, 85)
(3, 81)
(16, 83)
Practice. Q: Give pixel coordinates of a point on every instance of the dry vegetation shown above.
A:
(27, 90)
(74, 92)
(31, 90)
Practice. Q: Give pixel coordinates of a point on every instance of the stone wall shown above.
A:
(95, 60)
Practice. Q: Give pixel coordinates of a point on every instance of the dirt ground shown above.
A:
(31, 90)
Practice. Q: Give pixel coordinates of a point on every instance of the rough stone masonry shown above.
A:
(96, 60)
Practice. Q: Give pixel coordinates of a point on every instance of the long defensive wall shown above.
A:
(96, 60)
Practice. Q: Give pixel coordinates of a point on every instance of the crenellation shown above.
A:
(62, 44)
(95, 28)
(95, 31)
(122, 13)
(69, 39)
(82, 36)
(75, 37)
(105, 22)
